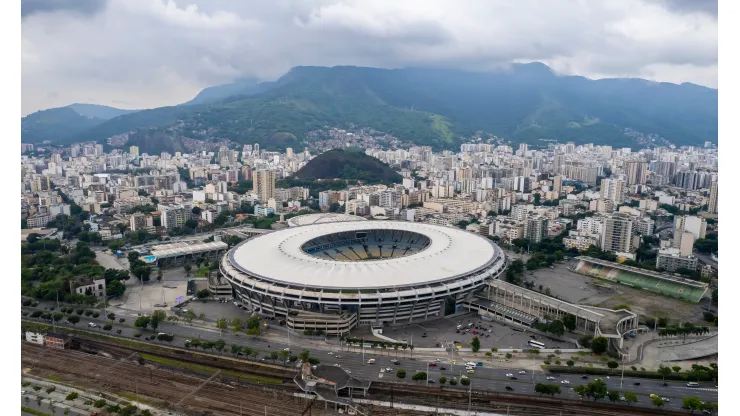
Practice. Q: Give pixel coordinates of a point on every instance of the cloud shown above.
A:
(84, 7)
(152, 53)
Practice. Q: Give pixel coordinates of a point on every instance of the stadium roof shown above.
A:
(278, 257)
(324, 218)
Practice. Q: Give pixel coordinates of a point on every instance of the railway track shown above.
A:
(225, 396)
(167, 387)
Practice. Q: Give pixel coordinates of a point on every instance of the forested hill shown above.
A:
(351, 165)
(436, 107)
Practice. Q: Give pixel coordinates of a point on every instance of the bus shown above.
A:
(536, 344)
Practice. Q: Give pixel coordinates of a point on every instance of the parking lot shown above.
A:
(492, 334)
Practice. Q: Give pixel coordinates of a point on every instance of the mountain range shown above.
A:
(436, 107)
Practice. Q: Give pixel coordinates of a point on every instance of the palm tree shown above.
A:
(382, 345)
(412, 350)
(404, 346)
(395, 347)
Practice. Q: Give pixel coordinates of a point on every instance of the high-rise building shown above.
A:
(618, 233)
(713, 189)
(613, 190)
(636, 172)
(173, 216)
(134, 151)
(535, 229)
(264, 184)
(139, 222)
(696, 226)
(557, 183)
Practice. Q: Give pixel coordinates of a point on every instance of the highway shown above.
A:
(485, 378)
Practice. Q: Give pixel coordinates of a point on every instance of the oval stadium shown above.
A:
(323, 218)
(338, 275)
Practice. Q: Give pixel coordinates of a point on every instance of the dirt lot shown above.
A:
(578, 289)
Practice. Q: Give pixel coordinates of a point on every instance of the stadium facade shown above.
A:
(338, 275)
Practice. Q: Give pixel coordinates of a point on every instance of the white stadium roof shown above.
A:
(325, 218)
(278, 257)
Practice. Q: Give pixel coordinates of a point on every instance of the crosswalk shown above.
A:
(699, 388)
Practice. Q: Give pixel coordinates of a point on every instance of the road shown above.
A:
(485, 378)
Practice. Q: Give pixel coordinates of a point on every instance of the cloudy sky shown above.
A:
(150, 53)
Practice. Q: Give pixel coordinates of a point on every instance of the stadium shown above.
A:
(338, 275)
(323, 218)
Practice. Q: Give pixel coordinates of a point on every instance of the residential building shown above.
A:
(264, 184)
(670, 259)
(535, 229)
(141, 222)
(263, 211)
(613, 190)
(636, 172)
(88, 286)
(173, 216)
(713, 190)
(618, 234)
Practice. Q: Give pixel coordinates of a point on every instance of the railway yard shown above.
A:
(195, 389)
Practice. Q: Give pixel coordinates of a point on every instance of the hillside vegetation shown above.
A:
(350, 165)
(435, 107)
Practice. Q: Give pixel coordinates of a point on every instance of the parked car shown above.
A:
(509, 388)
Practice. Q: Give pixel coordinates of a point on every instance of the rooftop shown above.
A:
(278, 257)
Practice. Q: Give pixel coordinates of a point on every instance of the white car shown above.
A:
(522, 372)
(348, 372)
(337, 365)
(665, 399)
(551, 378)
(331, 352)
(437, 360)
(509, 375)
(565, 382)
(286, 349)
(92, 325)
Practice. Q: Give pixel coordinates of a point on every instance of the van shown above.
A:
(692, 384)
(371, 361)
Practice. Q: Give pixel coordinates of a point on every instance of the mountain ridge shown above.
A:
(438, 107)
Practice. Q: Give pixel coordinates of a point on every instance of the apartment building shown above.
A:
(618, 233)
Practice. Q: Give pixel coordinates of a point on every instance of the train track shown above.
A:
(211, 396)
(167, 387)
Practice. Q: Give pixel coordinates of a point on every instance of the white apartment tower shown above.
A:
(618, 233)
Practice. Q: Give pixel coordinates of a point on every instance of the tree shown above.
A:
(599, 345)
(202, 294)
(630, 397)
(664, 371)
(283, 354)
(401, 374)
(221, 323)
(189, 316)
(187, 268)
(585, 341)
(613, 396)
(111, 316)
(107, 327)
(154, 321)
(475, 344)
(692, 403)
(612, 364)
(571, 363)
(142, 322)
(159, 274)
(219, 345)
(236, 325)
(508, 356)
(442, 380)
(132, 256)
(557, 327)
(596, 389)
(202, 317)
(465, 381)
(420, 376)
(710, 407)
(658, 402)
(304, 355)
(676, 369)
(453, 382)
(115, 288)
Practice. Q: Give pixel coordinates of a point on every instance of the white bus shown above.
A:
(536, 344)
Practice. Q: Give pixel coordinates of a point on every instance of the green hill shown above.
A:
(350, 165)
(55, 124)
(439, 107)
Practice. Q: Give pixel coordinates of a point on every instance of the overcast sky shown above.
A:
(151, 53)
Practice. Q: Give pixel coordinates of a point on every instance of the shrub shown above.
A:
(99, 403)
(118, 331)
(71, 396)
(137, 334)
(546, 362)
(107, 327)
(95, 314)
(557, 362)
(27, 302)
(50, 389)
(453, 382)
(122, 320)
(37, 388)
